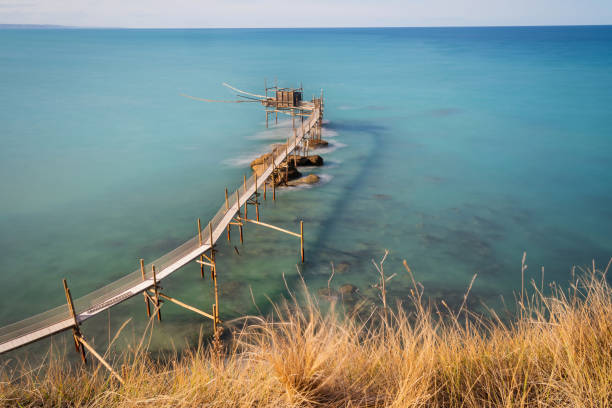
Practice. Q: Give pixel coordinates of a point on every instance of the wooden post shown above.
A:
(287, 161)
(216, 305)
(199, 232)
(211, 234)
(227, 209)
(200, 241)
(295, 140)
(256, 199)
(266, 118)
(302, 239)
(212, 251)
(144, 278)
(76, 332)
(246, 209)
(265, 189)
(156, 291)
(240, 225)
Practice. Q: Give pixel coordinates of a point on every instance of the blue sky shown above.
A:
(311, 13)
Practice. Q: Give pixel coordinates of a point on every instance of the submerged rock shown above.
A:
(327, 293)
(342, 267)
(348, 289)
(309, 179)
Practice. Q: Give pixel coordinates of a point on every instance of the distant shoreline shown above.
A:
(65, 27)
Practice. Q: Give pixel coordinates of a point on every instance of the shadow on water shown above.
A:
(369, 128)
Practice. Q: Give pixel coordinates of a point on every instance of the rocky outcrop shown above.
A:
(287, 171)
(313, 160)
(259, 164)
(316, 143)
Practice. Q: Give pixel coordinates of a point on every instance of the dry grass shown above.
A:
(557, 352)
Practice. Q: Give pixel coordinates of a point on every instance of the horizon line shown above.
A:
(60, 26)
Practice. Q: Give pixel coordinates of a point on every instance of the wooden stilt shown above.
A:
(287, 162)
(302, 240)
(212, 253)
(297, 147)
(265, 189)
(156, 291)
(216, 305)
(199, 232)
(76, 332)
(239, 226)
(144, 278)
(227, 209)
(200, 241)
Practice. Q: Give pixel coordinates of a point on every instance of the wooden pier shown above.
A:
(199, 249)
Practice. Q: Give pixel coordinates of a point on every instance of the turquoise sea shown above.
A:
(456, 149)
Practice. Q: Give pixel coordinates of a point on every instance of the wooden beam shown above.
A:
(263, 224)
(207, 257)
(186, 306)
(205, 263)
(99, 357)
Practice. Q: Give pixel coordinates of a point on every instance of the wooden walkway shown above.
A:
(59, 319)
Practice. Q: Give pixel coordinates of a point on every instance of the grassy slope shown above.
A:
(557, 352)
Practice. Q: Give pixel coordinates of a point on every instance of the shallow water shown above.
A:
(456, 149)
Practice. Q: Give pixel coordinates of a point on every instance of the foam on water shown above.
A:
(330, 148)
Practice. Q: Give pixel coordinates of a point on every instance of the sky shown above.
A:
(311, 13)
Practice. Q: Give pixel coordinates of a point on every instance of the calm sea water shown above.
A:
(456, 149)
